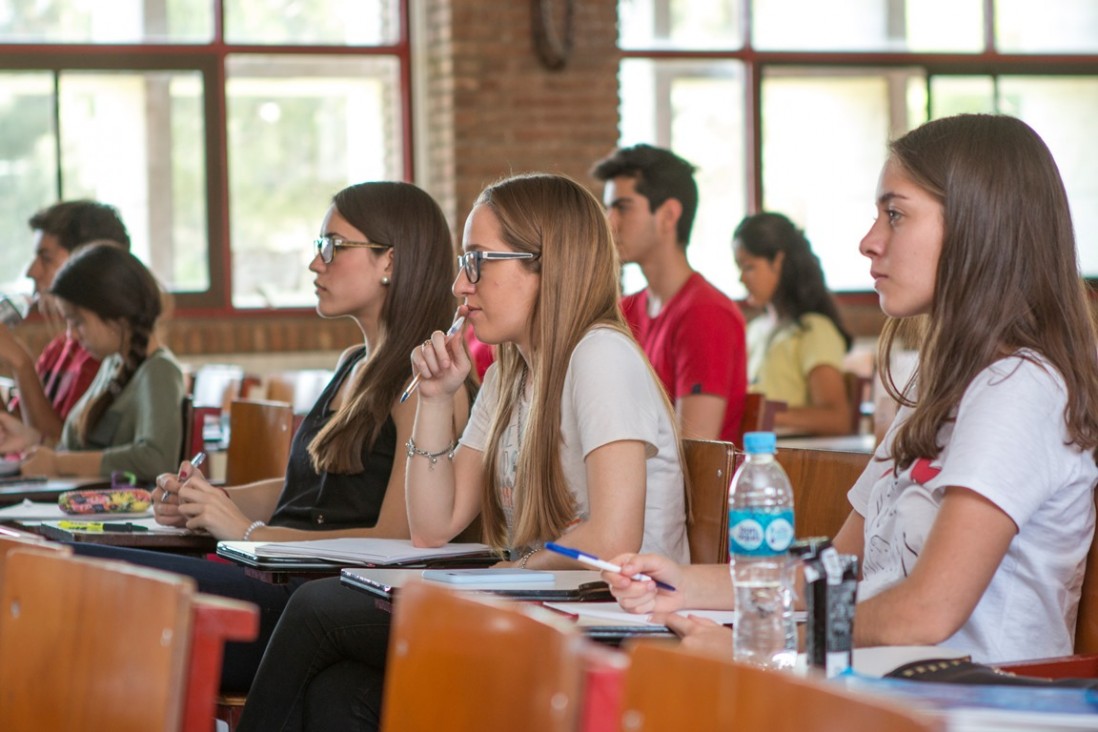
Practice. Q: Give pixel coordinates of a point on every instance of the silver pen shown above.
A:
(458, 322)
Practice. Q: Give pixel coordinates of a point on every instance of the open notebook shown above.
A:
(351, 551)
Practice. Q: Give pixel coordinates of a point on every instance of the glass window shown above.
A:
(694, 108)
(220, 159)
(317, 22)
(1051, 26)
(867, 25)
(1062, 111)
(147, 130)
(300, 129)
(680, 24)
(100, 21)
(824, 86)
(825, 135)
(28, 162)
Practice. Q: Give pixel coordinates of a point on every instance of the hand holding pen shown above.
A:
(592, 561)
(165, 507)
(454, 329)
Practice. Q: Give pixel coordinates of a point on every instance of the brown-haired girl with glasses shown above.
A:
(571, 439)
(384, 260)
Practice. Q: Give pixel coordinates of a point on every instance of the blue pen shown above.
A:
(593, 561)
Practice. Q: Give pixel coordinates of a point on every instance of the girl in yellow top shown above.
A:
(796, 347)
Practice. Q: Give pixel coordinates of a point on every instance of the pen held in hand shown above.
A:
(458, 322)
(196, 463)
(597, 563)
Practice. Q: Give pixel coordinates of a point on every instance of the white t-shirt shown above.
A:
(1008, 444)
(609, 395)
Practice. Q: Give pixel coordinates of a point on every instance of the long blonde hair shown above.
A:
(563, 223)
(1007, 276)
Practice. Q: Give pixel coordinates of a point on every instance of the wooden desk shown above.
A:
(192, 543)
(840, 443)
(15, 490)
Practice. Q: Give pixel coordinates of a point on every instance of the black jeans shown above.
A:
(324, 665)
(226, 580)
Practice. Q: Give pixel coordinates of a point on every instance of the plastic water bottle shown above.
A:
(760, 530)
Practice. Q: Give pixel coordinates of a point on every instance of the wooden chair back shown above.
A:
(820, 480)
(858, 392)
(194, 422)
(667, 688)
(758, 413)
(709, 465)
(446, 649)
(1086, 626)
(259, 440)
(90, 644)
(215, 620)
(12, 539)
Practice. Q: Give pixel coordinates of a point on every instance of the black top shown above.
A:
(312, 500)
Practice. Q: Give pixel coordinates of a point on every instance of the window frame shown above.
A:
(989, 62)
(209, 60)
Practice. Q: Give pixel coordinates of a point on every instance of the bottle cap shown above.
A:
(755, 443)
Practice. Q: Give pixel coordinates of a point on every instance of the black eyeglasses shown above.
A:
(470, 261)
(326, 246)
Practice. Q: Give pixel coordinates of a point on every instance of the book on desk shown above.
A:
(371, 552)
(568, 584)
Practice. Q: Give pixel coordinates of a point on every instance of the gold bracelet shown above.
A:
(526, 557)
(432, 456)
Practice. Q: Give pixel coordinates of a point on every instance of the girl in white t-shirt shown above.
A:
(974, 519)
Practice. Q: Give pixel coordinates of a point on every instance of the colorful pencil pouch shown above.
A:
(115, 500)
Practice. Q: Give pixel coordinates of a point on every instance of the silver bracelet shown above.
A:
(526, 557)
(432, 456)
(248, 531)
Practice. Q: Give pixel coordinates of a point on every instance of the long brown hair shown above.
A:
(561, 221)
(1007, 277)
(418, 302)
(107, 280)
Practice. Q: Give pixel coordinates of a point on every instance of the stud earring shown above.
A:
(385, 280)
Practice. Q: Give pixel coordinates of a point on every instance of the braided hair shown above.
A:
(105, 279)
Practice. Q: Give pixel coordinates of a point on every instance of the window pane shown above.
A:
(824, 142)
(961, 94)
(136, 140)
(1062, 111)
(99, 21)
(686, 24)
(868, 25)
(697, 110)
(300, 129)
(27, 164)
(1052, 26)
(335, 22)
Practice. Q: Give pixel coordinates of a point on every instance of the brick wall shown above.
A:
(494, 109)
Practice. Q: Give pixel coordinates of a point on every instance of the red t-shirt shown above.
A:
(66, 371)
(697, 345)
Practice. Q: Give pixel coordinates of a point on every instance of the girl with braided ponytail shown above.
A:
(130, 418)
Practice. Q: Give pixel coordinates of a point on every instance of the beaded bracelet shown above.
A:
(526, 557)
(248, 531)
(432, 456)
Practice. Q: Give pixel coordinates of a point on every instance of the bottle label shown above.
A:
(760, 533)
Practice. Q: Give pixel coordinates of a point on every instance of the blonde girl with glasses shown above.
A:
(571, 439)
